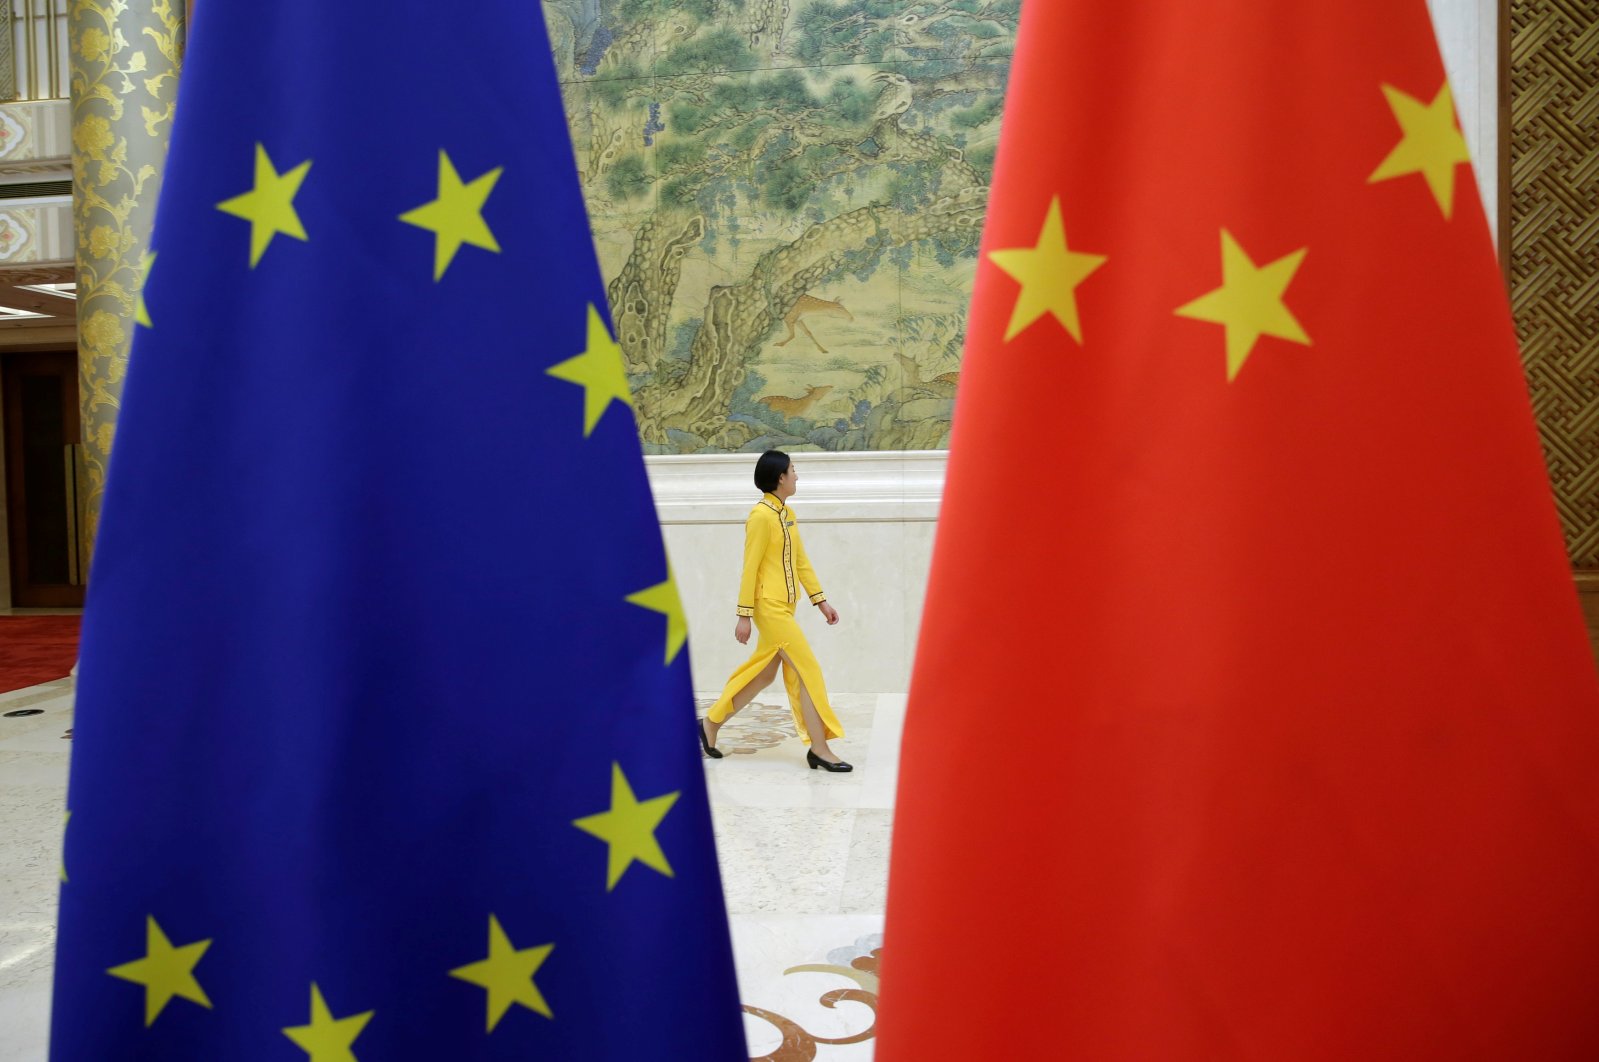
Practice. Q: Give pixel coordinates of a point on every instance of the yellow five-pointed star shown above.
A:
(1432, 145)
(1249, 302)
(164, 971)
(629, 829)
(456, 216)
(507, 974)
(140, 314)
(269, 206)
(1049, 275)
(599, 370)
(326, 1038)
(663, 598)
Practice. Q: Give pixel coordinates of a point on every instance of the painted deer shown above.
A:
(805, 306)
(913, 373)
(795, 407)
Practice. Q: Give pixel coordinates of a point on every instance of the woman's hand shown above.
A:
(829, 611)
(742, 631)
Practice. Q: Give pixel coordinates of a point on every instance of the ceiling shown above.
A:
(38, 307)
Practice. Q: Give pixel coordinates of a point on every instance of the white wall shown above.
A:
(867, 521)
(1468, 35)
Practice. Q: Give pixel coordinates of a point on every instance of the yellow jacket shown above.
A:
(774, 558)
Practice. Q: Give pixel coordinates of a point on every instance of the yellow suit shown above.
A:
(775, 568)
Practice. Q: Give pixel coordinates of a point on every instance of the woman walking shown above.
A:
(775, 567)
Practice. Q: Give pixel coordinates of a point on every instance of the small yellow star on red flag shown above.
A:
(628, 829)
(456, 215)
(1049, 274)
(1249, 303)
(269, 206)
(663, 598)
(599, 370)
(326, 1038)
(507, 974)
(1432, 144)
(164, 971)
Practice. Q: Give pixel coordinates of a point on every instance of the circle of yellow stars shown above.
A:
(455, 216)
(600, 370)
(628, 829)
(1252, 301)
(269, 205)
(165, 972)
(326, 1038)
(507, 975)
(141, 313)
(628, 826)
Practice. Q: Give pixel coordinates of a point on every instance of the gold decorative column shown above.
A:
(125, 56)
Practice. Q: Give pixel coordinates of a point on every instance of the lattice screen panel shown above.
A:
(1554, 263)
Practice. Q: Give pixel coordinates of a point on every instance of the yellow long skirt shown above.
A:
(780, 632)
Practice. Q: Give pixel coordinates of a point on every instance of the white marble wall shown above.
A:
(1468, 34)
(867, 521)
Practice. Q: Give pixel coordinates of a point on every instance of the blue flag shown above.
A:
(383, 742)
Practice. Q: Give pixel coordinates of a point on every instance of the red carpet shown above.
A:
(35, 649)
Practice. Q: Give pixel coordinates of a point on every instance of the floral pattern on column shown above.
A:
(125, 56)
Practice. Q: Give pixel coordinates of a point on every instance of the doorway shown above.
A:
(43, 479)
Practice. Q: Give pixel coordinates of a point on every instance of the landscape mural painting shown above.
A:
(787, 197)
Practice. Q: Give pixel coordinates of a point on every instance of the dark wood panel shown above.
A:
(41, 427)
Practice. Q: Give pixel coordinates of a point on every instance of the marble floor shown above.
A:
(33, 793)
(804, 859)
(805, 868)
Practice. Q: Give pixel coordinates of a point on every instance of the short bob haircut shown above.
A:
(769, 469)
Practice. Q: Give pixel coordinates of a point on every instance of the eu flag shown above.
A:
(383, 742)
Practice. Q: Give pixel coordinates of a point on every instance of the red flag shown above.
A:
(1253, 716)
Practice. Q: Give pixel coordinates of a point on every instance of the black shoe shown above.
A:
(816, 761)
(705, 743)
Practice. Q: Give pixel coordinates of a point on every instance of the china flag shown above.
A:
(1253, 715)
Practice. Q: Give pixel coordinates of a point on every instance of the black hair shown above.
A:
(769, 469)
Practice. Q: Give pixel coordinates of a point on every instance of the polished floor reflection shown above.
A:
(805, 869)
(804, 866)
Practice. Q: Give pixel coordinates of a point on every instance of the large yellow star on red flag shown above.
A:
(269, 206)
(663, 598)
(164, 971)
(507, 974)
(1049, 273)
(1249, 303)
(1432, 144)
(456, 215)
(599, 370)
(629, 829)
(326, 1038)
